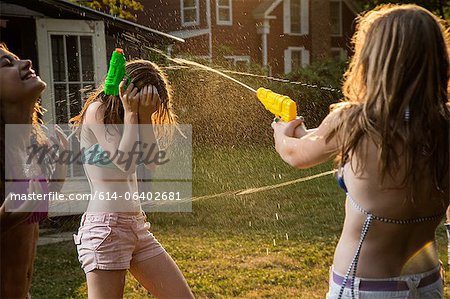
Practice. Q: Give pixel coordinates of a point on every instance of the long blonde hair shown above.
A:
(396, 94)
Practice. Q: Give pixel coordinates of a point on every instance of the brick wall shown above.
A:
(241, 38)
(165, 15)
(320, 29)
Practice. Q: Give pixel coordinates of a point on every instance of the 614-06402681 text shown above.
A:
(148, 196)
(98, 195)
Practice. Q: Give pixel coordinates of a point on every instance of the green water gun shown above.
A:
(116, 73)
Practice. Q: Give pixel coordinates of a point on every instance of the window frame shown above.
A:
(288, 58)
(304, 18)
(342, 53)
(47, 27)
(238, 58)
(340, 18)
(197, 14)
(230, 8)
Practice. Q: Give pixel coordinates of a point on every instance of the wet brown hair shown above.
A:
(395, 92)
(141, 73)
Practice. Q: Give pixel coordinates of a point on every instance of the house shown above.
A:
(278, 34)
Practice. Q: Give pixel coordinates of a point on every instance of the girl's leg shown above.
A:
(18, 247)
(161, 277)
(105, 283)
(33, 256)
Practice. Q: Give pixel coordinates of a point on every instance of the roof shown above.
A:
(54, 8)
(266, 7)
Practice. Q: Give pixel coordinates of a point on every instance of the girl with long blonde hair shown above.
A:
(391, 139)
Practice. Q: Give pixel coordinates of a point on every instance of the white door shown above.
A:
(72, 58)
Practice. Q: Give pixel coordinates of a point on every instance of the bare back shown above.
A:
(389, 249)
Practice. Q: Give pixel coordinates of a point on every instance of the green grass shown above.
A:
(272, 244)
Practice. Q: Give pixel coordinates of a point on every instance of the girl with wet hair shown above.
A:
(114, 235)
(20, 89)
(390, 135)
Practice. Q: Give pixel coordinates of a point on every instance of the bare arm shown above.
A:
(58, 177)
(302, 148)
(148, 104)
(122, 148)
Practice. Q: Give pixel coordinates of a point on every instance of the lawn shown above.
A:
(271, 244)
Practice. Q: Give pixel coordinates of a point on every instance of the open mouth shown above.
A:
(29, 75)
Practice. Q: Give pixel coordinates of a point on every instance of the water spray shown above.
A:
(280, 105)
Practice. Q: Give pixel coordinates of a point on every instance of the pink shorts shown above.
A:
(113, 241)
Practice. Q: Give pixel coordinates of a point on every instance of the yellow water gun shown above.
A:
(280, 105)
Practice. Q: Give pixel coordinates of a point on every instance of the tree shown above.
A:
(439, 7)
(122, 8)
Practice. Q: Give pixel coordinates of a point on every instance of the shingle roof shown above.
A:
(52, 6)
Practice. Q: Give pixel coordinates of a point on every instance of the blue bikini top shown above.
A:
(95, 155)
(341, 182)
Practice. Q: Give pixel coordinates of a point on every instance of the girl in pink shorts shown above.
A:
(114, 234)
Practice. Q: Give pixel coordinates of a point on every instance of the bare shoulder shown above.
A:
(95, 113)
(337, 115)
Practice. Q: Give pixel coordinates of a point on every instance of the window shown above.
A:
(224, 12)
(190, 13)
(295, 9)
(336, 18)
(240, 62)
(338, 54)
(72, 60)
(296, 17)
(294, 58)
(73, 71)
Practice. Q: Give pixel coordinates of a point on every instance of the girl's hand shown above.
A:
(293, 128)
(148, 103)
(129, 98)
(59, 175)
(282, 129)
